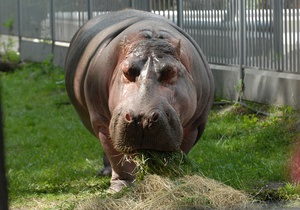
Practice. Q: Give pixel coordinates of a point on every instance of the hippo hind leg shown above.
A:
(106, 170)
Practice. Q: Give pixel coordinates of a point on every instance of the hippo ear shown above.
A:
(124, 45)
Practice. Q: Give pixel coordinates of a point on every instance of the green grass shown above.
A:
(245, 150)
(47, 148)
(52, 157)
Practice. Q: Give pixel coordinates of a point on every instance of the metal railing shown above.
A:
(250, 33)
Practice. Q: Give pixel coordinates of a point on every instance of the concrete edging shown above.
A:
(263, 86)
(272, 87)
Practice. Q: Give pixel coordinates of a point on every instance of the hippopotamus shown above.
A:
(138, 82)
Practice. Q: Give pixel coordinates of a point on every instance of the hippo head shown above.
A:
(152, 96)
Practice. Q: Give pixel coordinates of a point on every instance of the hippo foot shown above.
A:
(105, 171)
(118, 185)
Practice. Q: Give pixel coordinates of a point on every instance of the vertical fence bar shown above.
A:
(241, 38)
(180, 13)
(263, 31)
(294, 40)
(255, 35)
(186, 18)
(259, 37)
(233, 30)
(287, 32)
(278, 32)
(211, 33)
(252, 34)
(236, 32)
(90, 9)
(19, 25)
(269, 20)
(174, 9)
(269, 60)
(218, 43)
(169, 9)
(223, 31)
(215, 34)
(205, 31)
(298, 43)
(150, 5)
(192, 10)
(290, 40)
(247, 40)
(285, 37)
(194, 20)
(159, 8)
(191, 19)
(269, 35)
(52, 23)
(200, 13)
(132, 5)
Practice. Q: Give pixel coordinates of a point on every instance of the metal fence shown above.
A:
(262, 34)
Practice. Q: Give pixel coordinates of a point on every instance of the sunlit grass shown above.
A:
(47, 148)
(245, 150)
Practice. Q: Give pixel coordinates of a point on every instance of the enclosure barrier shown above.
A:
(252, 46)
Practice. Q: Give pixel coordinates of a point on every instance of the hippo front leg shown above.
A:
(122, 171)
(106, 170)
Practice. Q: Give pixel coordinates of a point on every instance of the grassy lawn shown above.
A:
(52, 160)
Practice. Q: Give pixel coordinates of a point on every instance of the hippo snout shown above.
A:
(156, 129)
(144, 120)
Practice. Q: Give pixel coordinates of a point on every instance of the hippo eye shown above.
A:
(131, 73)
(167, 74)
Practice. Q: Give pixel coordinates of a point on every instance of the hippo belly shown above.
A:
(138, 82)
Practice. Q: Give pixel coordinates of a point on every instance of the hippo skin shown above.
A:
(138, 82)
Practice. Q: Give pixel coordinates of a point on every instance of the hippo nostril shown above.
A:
(154, 116)
(128, 117)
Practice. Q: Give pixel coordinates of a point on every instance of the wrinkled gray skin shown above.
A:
(138, 82)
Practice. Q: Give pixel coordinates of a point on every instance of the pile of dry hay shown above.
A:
(182, 192)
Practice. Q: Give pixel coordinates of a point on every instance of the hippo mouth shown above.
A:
(152, 130)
